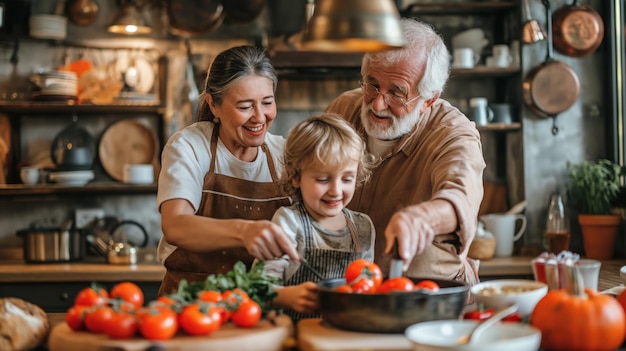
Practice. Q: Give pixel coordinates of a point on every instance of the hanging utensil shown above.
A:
(532, 31)
(552, 87)
(82, 12)
(193, 93)
(578, 30)
(395, 268)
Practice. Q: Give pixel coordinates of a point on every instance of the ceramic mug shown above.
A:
(502, 226)
(502, 113)
(29, 175)
(480, 112)
(465, 58)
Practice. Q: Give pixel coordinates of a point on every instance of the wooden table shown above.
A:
(609, 274)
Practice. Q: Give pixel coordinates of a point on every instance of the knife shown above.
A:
(395, 268)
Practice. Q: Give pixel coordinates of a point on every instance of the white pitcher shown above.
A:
(502, 226)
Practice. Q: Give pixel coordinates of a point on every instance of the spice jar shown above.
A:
(557, 231)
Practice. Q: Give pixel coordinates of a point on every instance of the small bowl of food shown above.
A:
(444, 335)
(501, 293)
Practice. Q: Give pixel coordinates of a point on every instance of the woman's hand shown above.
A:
(301, 298)
(267, 241)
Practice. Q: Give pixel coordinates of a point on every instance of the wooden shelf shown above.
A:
(99, 188)
(455, 8)
(33, 107)
(504, 127)
(484, 72)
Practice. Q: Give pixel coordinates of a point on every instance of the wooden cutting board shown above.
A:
(316, 335)
(263, 337)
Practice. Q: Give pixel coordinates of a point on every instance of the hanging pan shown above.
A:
(552, 87)
(193, 17)
(578, 30)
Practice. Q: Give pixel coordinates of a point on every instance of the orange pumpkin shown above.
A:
(575, 320)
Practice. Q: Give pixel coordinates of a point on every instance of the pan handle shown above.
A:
(550, 51)
(555, 128)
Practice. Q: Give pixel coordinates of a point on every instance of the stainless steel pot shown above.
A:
(48, 245)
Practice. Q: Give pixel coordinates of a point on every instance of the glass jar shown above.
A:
(557, 232)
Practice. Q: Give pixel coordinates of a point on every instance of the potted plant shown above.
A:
(592, 188)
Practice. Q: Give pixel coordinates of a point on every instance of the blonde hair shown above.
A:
(325, 139)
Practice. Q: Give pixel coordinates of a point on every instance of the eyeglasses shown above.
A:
(390, 99)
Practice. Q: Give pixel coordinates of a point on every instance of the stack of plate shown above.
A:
(48, 26)
(55, 85)
(71, 177)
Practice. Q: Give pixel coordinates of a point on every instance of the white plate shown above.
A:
(71, 177)
(145, 72)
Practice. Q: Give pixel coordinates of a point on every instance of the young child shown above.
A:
(323, 164)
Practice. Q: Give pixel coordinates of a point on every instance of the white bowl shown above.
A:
(525, 300)
(442, 336)
(622, 274)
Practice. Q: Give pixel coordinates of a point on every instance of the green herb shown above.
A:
(255, 283)
(593, 186)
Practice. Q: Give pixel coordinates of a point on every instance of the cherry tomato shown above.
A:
(75, 317)
(199, 319)
(166, 301)
(157, 323)
(513, 317)
(247, 315)
(479, 314)
(396, 284)
(215, 297)
(363, 269)
(122, 325)
(129, 292)
(91, 296)
(427, 285)
(97, 318)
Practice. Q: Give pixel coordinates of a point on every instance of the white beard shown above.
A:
(399, 125)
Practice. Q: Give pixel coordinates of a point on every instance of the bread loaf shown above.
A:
(23, 325)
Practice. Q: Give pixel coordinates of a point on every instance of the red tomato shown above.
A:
(247, 315)
(234, 298)
(157, 323)
(75, 317)
(396, 284)
(364, 269)
(478, 314)
(199, 319)
(363, 286)
(215, 297)
(122, 325)
(129, 292)
(344, 288)
(97, 319)
(513, 317)
(91, 296)
(166, 301)
(427, 285)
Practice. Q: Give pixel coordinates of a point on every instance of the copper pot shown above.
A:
(552, 87)
(578, 30)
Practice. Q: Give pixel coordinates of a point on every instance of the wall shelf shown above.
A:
(456, 8)
(96, 188)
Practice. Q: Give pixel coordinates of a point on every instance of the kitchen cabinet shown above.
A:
(25, 114)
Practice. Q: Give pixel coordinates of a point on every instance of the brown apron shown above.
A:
(224, 197)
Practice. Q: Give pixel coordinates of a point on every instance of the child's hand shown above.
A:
(301, 298)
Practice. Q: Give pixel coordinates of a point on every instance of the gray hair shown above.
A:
(228, 68)
(424, 46)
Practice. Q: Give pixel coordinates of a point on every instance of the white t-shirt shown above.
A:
(186, 159)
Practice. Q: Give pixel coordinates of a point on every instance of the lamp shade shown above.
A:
(354, 26)
(129, 21)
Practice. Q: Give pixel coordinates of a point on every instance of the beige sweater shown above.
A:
(440, 159)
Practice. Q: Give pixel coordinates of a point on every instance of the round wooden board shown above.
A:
(265, 336)
(127, 142)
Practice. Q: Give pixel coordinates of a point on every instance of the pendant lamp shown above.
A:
(353, 26)
(129, 21)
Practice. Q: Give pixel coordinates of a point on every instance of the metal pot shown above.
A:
(389, 313)
(121, 249)
(578, 30)
(47, 245)
(194, 17)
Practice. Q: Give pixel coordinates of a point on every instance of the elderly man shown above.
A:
(426, 186)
